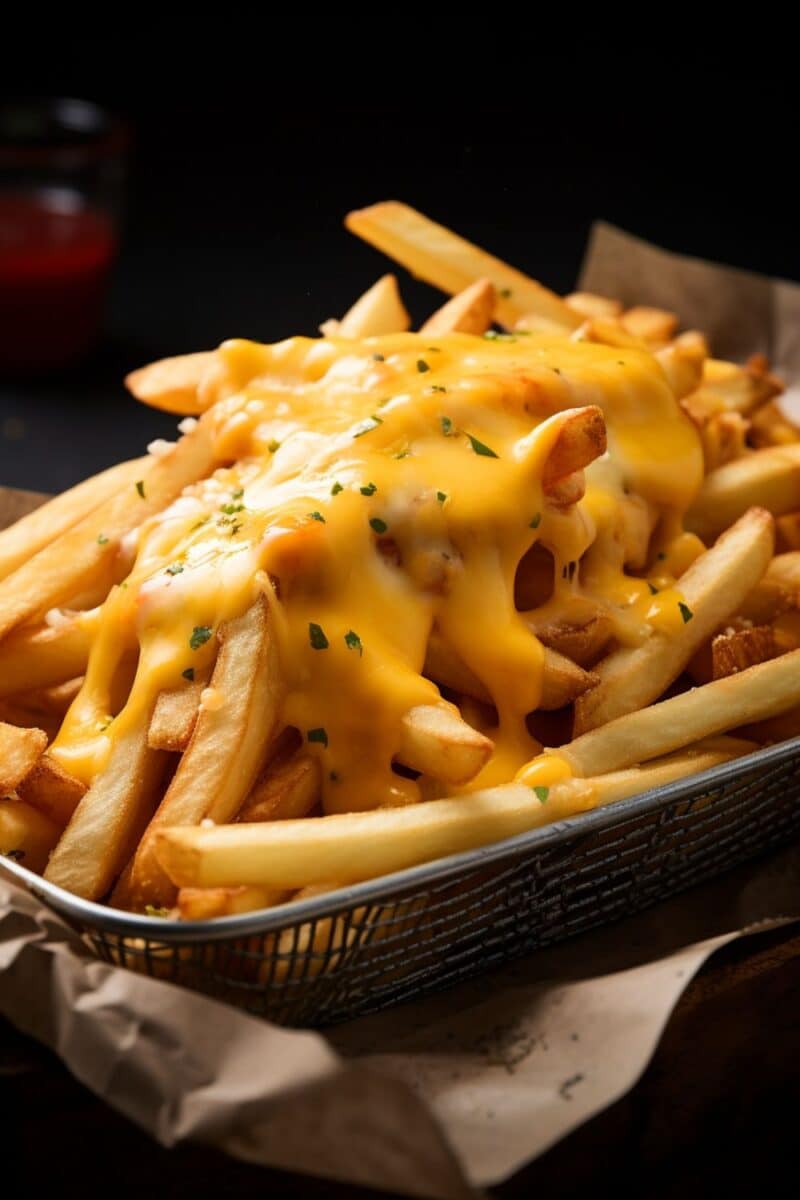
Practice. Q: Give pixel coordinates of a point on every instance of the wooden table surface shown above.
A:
(715, 1114)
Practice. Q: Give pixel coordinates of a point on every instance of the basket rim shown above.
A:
(90, 916)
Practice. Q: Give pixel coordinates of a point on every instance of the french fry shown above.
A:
(769, 426)
(587, 304)
(683, 366)
(380, 310)
(40, 528)
(285, 790)
(435, 741)
(471, 311)
(440, 257)
(713, 588)
(653, 325)
(204, 904)
(71, 561)
(26, 836)
(770, 478)
(787, 532)
(110, 818)
(226, 751)
(172, 384)
(582, 640)
(52, 791)
(175, 716)
(784, 570)
(20, 750)
(753, 695)
(741, 648)
(40, 656)
(580, 440)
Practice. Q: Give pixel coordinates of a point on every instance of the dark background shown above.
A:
(248, 152)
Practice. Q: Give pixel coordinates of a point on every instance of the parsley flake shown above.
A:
(230, 509)
(402, 453)
(175, 569)
(422, 366)
(353, 641)
(369, 489)
(653, 589)
(481, 448)
(441, 497)
(317, 516)
(379, 358)
(102, 540)
(200, 635)
(318, 735)
(685, 611)
(140, 487)
(542, 793)
(188, 674)
(535, 521)
(237, 495)
(316, 636)
(337, 487)
(437, 387)
(504, 293)
(378, 525)
(273, 445)
(447, 426)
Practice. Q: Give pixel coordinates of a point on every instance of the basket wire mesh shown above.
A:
(379, 943)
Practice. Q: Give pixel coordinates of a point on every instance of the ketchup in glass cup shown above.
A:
(61, 166)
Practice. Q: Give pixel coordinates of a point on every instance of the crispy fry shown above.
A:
(740, 649)
(683, 366)
(172, 384)
(110, 819)
(449, 262)
(379, 310)
(203, 904)
(174, 717)
(437, 742)
(284, 791)
(581, 439)
(653, 325)
(26, 836)
(20, 750)
(787, 532)
(50, 789)
(582, 640)
(69, 563)
(38, 656)
(587, 304)
(752, 695)
(770, 478)
(471, 311)
(226, 751)
(40, 528)
(713, 588)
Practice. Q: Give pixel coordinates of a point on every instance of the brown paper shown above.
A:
(454, 1093)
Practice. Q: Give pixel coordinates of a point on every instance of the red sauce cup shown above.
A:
(62, 165)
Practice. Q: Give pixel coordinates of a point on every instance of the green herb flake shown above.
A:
(535, 521)
(317, 516)
(337, 487)
(102, 540)
(230, 509)
(175, 569)
(378, 525)
(402, 453)
(237, 494)
(367, 426)
(318, 735)
(316, 636)
(653, 588)
(152, 910)
(481, 448)
(188, 674)
(422, 366)
(200, 635)
(441, 497)
(542, 793)
(685, 611)
(447, 426)
(140, 487)
(353, 641)
(378, 358)
(504, 293)
(437, 387)
(369, 489)
(273, 444)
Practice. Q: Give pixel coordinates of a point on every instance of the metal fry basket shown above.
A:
(379, 943)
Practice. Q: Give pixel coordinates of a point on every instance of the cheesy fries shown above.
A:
(392, 595)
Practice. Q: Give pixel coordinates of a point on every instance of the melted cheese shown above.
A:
(373, 489)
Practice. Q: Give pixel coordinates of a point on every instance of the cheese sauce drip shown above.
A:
(380, 488)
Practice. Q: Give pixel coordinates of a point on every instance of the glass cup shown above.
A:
(62, 169)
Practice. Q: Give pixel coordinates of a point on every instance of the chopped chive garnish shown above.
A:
(102, 540)
(337, 487)
(369, 489)
(353, 641)
(535, 521)
(422, 366)
(378, 525)
(317, 516)
(403, 453)
(318, 735)
(188, 674)
(447, 426)
(441, 497)
(686, 612)
(200, 635)
(542, 793)
(366, 426)
(140, 487)
(481, 448)
(316, 636)
(175, 569)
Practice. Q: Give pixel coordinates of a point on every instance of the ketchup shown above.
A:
(55, 255)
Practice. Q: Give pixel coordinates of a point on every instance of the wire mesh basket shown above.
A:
(379, 943)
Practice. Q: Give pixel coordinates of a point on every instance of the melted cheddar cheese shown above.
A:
(373, 490)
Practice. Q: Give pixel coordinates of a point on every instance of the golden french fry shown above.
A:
(226, 751)
(26, 836)
(203, 904)
(50, 789)
(440, 257)
(20, 750)
(712, 588)
(39, 528)
(39, 656)
(683, 366)
(582, 640)
(784, 570)
(471, 311)
(435, 741)
(69, 563)
(172, 383)
(110, 819)
(580, 440)
(740, 649)
(587, 304)
(752, 695)
(770, 426)
(380, 310)
(787, 532)
(652, 325)
(770, 478)
(175, 716)
(606, 331)
(285, 790)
